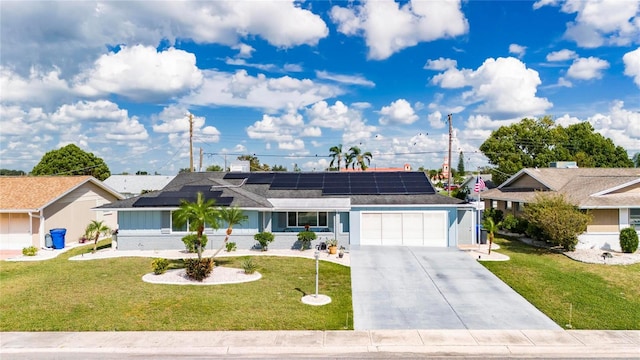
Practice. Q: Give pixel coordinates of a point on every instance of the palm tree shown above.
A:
(357, 157)
(232, 216)
(197, 214)
(491, 227)
(94, 230)
(336, 153)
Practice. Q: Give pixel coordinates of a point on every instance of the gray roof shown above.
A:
(135, 184)
(256, 195)
(585, 187)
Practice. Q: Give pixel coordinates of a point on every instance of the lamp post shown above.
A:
(317, 256)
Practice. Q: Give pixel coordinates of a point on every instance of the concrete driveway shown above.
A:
(434, 288)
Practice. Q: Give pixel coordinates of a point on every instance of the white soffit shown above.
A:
(311, 204)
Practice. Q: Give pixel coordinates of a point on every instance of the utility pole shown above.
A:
(191, 143)
(201, 154)
(450, 141)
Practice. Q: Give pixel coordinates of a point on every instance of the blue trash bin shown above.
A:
(57, 236)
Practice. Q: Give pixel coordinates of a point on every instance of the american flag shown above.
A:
(480, 185)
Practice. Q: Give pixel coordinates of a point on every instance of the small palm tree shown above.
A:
(94, 230)
(336, 153)
(357, 158)
(197, 214)
(232, 216)
(491, 227)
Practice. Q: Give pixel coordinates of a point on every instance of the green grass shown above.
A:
(598, 296)
(109, 294)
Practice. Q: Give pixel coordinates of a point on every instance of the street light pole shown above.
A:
(317, 256)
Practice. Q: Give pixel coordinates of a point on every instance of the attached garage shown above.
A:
(415, 228)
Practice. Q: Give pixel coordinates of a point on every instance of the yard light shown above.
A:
(317, 256)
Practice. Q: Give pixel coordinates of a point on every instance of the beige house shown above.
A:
(30, 206)
(612, 196)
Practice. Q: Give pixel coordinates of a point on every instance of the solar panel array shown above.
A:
(186, 193)
(337, 183)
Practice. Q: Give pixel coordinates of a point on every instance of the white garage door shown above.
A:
(427, 228)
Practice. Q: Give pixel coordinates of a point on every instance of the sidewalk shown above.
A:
(422, 343)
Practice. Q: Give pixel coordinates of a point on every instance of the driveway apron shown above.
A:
(397, 287)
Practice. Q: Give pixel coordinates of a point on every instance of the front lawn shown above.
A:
(586, 296)
(109, 294)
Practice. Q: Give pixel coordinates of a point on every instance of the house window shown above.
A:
(177, 228)
(302, 218)
(634, 218)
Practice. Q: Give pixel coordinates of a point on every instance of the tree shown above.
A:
(197, 214)
(184, 170)
(214, 168)
(254, 163)
(94, 230)
(7, 172)
(232, 216)
(71, 160)
(278, 168)
(560, 221)
(460, 168)
(636, 160)
(336, 154)
(357, 158)
(536, 143)
(140, 172)
(491, 227)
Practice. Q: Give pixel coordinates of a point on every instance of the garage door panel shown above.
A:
(392, 229)
(412, 229)
(436, 231)
(371, 232)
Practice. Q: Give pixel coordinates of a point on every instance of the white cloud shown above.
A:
(504, 87)
(600, 22)
(587, 68)
(141, 73)
(356, 131)
(620, 124)
(296, 144)
(561, 55)
(388, 27)
(566, 120)
(174, 121)
(632, 65)
(78, 31)
(311, 131)
(518, 50)
(398, 112)
(345, 79)
(244, 90)
(440, 64)
(40, 87)
(244, 50)
(336, 116)
(435, 120)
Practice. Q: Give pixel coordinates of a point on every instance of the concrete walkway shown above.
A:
(350, 344)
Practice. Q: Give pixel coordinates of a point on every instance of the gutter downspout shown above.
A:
(40, 228)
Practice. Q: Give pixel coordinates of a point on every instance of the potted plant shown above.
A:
(264, 238)
(341, 252)
(305, 238)
(332, 245)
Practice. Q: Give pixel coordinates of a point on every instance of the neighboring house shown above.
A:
(30, 206)
(359, 208)
(470, 183)
(134, 185)
(612, 196)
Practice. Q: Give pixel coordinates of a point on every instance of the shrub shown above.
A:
(249, 266)
(495, 214)
(230, 246)
(159, 266)
(628, 240)
(190, 242)
(305, 238)
(30, 251)
(198, 269)
(264, 238)
(509, 223)
(558, 219)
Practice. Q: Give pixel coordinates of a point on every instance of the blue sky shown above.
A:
(286, 80)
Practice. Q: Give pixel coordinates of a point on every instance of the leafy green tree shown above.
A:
(140, 172)
(278, 168)
(358, 158)
(254, 163)
(232, 216)
(71, 160)
(461, 170)
(536, 143)
(560, 221)
(214, 168)
(197, 214)
(184, 170)
(7, 172)
(336, 154)
(94, 230)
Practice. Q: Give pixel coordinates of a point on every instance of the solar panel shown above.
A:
(260, 178)
(310, 181)
(285, 181)
(237, 175)
(196, 188)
